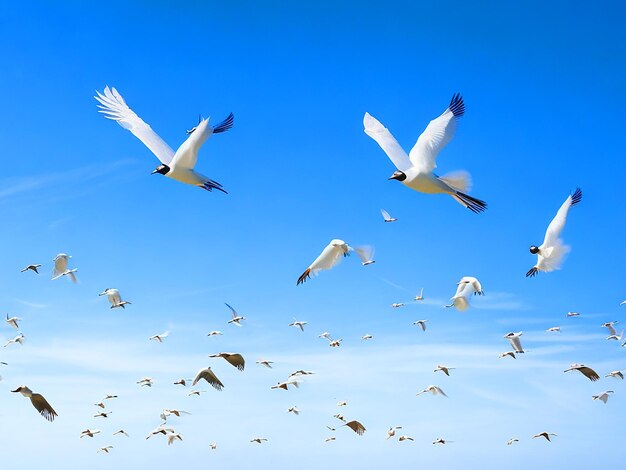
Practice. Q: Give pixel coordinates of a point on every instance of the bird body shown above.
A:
(508, 353)
(444, 369)
(298, 324)
(114, 298)
(13, 321)
(467, 286)
(236, 318)
(60, 268)
(617, 374)
(160, 337)
(258, 440)
(366, 337)
(421, 324)
(434, 390)
(544, 434)
(18, 339)
(330, 256)
(89, 433)
(419, 297)
(265, 363)
(31, 267)
(105, 449)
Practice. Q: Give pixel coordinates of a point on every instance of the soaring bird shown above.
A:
(441, 440)
(60, 268)
(421, 324)
(617, 374)
(419, 297)
(285, 385)
(514, 339)
(551, 253)
(544, 434)
(215, 333)
(121, 431)
(508, 353)
(432, 389)
(89, 433)
(356, 427)
(586, 371)
(397, 305)
(366, 337)
(179, 165)
(365, 254)
(467, 286)
(616, 336)
(18, 339)
(604, 396)
(444, 369)
(114, 298)
(31, 267)
(213, 445)
(13, 321)
(172, 436)
(405, 438)
(160, 337)
(300, 373)
(105, 449)
(103, 414)
(236, 318)
(265, 363)
(175, 412)
(416, 169)
(258, 440)
(330, 256)
(298, 324)
(159, 430)
(386, 216)
(554, 329)
(208, 375)
(392, 431)
(146, 382)
(610, 327)
(233, 359)
(38, 401)
(511, 441)
(294, 410)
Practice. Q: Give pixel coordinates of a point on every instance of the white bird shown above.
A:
(366, 337)
(467, 286)
(196, 392)
(105, 449)
(616, 336)
(60, 268)
(285, 385)
(146, 382)
(335, 343)
(114, 298)
(13, 321)
(397, 305)
(208, 375)
(386, 216)
(326, 335)
(175, 412)
(610, 327)
(159, 430)
(18, 339)
(416, 169)
(617, 374)
(38, 401)
(215, 333)
(551, 253)
(236, 318)
(623, 302)
(342, 403)
(31, 267)
(298, 324)
(234, 359)
(365, 254)
(89, 433)
(265, 363)
(300, 373)
(544, 434)
(419, 297)
(392, 431)
(213, 445)
(604, 396)
(405, 438)
(554, 329)
(160, 337)
(511, 441)
(172, 436)
(572, 314)
(421, 324)
(179, 165)
(514, 339)
(441, 440)
(508, 353)
(103, 414)
(444, 369)
(330, 256)
(586, 371)
(121, 431)
(432, 389)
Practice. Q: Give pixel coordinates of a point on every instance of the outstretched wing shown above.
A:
(44, 408)
(208, 375)
(387, 142)
(113, 106)
(436, 136)
(557, 224)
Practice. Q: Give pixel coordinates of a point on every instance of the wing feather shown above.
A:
(387, 142)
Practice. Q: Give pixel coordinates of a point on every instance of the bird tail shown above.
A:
(458, 180)
(225, 125)
(210, 185)
(475, 205)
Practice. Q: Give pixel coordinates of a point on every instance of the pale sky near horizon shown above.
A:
(543, 88)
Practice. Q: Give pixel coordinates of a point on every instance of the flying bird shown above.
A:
(38, 401)
(432, 389)
(397, 305)
(610, 327)
(330, 256)
(18, 339)
(392, 431)
(215, 333)
(514, 339)
(554, 329)
(233, 359)
(293, 410)
(544, 434)
(365, 254)
(366, 337)
(285, 385)
(31, 267)
(178, 166)
(616, 336)
(89, 433)
(121, 431)
(551, 253)
(444, 369)
(405, 438)
(508, 353)
(114, 298)
(196, 392)
(265, 363)
(258, 440)
(356, 427)
(416, 169)
(60, 268)
(572, 314)
(441, 440)
(208, 375)
(13, 321)
(419, 297)
(236, 318)
(421, 324)
(103, 414)
(213, 445)
(617, 374)
(586, 371)
(172, 436)
(329, 439)
(160, 337)
(298, 324)
(159, 430)
(146, 382)
(511, 441)
(467, 286)
(386, 216)
(604, 396)
(105, 449)
(110, 397)
(300, 373)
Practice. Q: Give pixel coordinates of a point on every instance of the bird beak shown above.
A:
(16, 390)
(155, 171)
(393, 177)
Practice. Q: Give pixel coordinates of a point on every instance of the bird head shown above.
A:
(534, 249)
(398, 175)
(162, 169)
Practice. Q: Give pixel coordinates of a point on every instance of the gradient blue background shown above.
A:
(544, 91)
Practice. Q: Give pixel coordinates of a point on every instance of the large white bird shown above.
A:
(610, 326)
(586, 371)
(236, 318)
(467, 286)
(160, 337)
(603, 397)
(514, 339)
(18, 339)
(179, 165)
(13, 321)
(432, 389)
(60, 268)
(298, 324)
(551, 253)
(114, 298)
(617, 374)
(416, 169)
(31, 267)
(330, 256)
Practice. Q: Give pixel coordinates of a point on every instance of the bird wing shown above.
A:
(438, 390)
(516, 343)
(589, 373)
(113, 106)
(60, 266)
(114, 297)
(42, 405)
(436, 136)
(365, 253)
(557, 224)
(210, 377)
(233, 311)
(330, 256)
(387, 142)
(385, 214)
(236, 360)
(356, 427)
(611, 329)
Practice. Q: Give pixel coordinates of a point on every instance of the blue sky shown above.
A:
(543, 87)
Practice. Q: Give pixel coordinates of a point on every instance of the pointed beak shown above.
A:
(155, 171)
(16, 390)
(393, 177)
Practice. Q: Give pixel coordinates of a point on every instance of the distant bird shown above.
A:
(444, 369)
(514, 339)
(586, 371)
(432, 389)
(330, 256)
(233, 359)
(339, 417)
(416, 169)
(617, 374)
(167, 412)
(285, 385)
(160, 337)
(213, 445)
(356, 427)
(89, 433)
(610, 327)
(105, 449)
(397, 305)
(208, 375)
(298, 324)
(236, 319)
(365, 254)
(196, 392)
(100, 404)
(265, 363)
(508, 353)
(342, 403)
(554, 329)
(293, 410)
(552, 251)
(421, 324)
(441, 440)
(114, 298)
(467, 286)
(258, 440)
(405, 438)
(18, 339)
(616, 336)
(172, 436)
(419, 297)
(215, 333)
(38, 401)
(300, 373)
(326, 335)
(146, 382)
(604, 396)
(366, 337)
(511, 441)
(182, 382)
(31, 267)
(13, 321)
(329, 439)
(544, 434)
(159, 430)
(102, 414)
(178, 166)
(392, 431)
(386, 216)
(331, 428)
(121, 431)
(60, 268)
(110, 397)
(335, 343)
(573, 314)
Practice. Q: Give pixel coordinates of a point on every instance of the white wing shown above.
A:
(516, 343)
(436, 136)
(385, 214)
(365, 253)
(387, 142)
(113, 106)
(557, 224)
(327, 259)
(114, 297)
(60, 266)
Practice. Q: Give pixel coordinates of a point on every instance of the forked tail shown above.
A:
(475, 205)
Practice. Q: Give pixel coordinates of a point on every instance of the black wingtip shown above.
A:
(225, 125)
(532, 272)
(305, 275)
(211, 185)
(475, 205)
(577, 196)
(457, 106)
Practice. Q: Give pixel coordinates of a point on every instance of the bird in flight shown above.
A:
(552, 251)
(60, 268)
(31, 267)
(356, 427)
(114, 298)
(467, 286)
(298, 324)
(603, 397)
(233, 359)
(386, 216)
(236, 318)
(416, 169)
(544, 434)
(586, 371)
(13, 321)
(38, 401)
(514, 339)
(208, 375)
(444, 369)
(330, 256)
(421, 324)
(432, 389)
(616, 374)
(160, 337)
(179, 165)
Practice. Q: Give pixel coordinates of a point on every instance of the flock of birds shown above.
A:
(414, 170)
